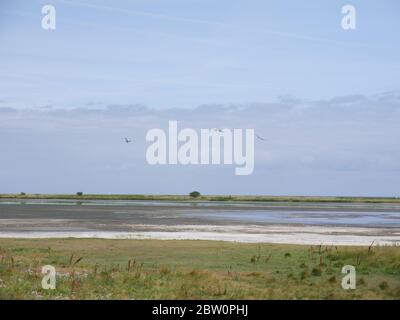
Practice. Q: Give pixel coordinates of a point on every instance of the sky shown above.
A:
(326, 99)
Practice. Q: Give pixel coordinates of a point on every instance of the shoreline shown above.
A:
(276, 234)
(186, 198)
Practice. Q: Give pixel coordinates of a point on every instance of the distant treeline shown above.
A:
(81, 196)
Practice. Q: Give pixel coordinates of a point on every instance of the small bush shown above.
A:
(79, 194)
(22, 193)
(195, 194)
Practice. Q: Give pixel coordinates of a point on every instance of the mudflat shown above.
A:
(297, 223)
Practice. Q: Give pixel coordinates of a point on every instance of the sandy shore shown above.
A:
(310, 235)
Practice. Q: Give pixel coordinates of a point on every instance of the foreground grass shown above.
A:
(153, 269)
(202, 198)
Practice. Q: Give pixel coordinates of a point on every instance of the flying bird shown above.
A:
(127, 140)
(258, 137)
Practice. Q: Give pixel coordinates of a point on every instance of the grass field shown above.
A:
(201, 198)
(155, 269)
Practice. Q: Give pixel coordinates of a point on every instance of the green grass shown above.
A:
(201, 198)
(155, 269)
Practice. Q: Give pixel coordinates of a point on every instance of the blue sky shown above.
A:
(185, 53)
(289, 64)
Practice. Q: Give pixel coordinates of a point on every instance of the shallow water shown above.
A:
(376, 219)
(176, 212)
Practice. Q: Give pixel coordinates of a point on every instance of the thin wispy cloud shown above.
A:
(202, 21)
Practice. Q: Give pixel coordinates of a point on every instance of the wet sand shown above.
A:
(299, 223)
